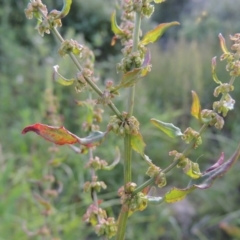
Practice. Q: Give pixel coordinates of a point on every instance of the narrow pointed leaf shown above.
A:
(137, 143)
(57, 135)
(60, 79)
(214, 75)
(205, 181)
(130, 78)
(223, 44)
(196, 106)
(66, 8)
(115, 28)
(168, 128)
(157, 32)
(217, 164)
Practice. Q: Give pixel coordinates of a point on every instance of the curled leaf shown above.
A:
(115, 162)
(168, 128)
(192, 169)
(196, 106)
(61, 136)
(153, 35)
(115, 28)
(223, 44)
(214, 75)
(66, 8)
(57, 135)
(205, 181)
(60, 79)
(95, 138)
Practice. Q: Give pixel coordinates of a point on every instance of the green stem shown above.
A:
(122, 221)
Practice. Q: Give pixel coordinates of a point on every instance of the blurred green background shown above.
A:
(181, 63)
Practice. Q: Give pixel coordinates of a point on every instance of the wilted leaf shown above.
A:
(196, 106)
(217, 164)
(223, 44)
(168, 128)
(60, 79)
(157, 32)
(137, 143)
(205, 181)
(61, 136)
(58, 135)
(115, 28)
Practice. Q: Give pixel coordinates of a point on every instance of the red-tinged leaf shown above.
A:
(157, 32)
(196, 106)
(223, 44)
(115, 28)
(168, 128)
(137, 143)
(214, 75)
(205, 181)
(58, 135)
(217, 164)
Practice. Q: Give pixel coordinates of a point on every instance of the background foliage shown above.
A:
(181, 63)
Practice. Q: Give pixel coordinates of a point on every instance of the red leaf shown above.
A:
(58, 135)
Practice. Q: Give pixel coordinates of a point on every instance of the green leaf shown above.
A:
(129, 79)
(192, 169)
(176, 194)
(159, 1)
(206, 180)
(115, 28)
(223, 44)
(196, 106)
(153, 35)
(137, 143)
(214, 75)
(66, 8)
(60, 79)
(167, 128)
